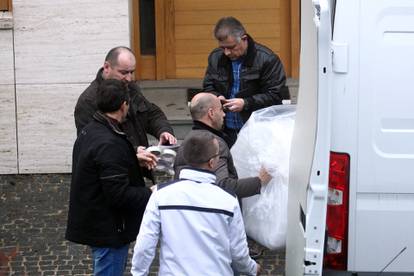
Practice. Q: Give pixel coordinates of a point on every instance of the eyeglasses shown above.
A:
(214, 156)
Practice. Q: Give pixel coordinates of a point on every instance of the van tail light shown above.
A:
(336, 246)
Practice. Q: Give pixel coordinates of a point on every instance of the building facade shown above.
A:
(51, 50)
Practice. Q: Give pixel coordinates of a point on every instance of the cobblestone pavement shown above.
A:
(32, 226)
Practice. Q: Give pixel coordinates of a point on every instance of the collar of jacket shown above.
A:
(201, 125)
(249, 57)
(99, 77)
(197, 175)
(103, 119)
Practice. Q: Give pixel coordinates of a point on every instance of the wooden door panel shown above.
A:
(226, 5)
(185, 34)
(209, 17)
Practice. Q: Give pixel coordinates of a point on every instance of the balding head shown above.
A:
(119, 64)
(207, 108)
(114, 54)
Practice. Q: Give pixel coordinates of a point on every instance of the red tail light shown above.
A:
(336, 247)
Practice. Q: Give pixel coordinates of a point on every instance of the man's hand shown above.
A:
(167, 138)
(234, 105)
(146, 159)
(264, 176)
(259, 269)
(154, 188)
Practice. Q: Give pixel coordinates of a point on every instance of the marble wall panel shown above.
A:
(66, 41)
(46, 127)
(8, 143)
(6, 57)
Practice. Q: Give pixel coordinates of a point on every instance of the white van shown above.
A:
(351, 190)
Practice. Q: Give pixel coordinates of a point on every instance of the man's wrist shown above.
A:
(246, 105)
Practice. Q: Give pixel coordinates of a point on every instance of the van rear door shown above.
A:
(309, 163)
(381, 80)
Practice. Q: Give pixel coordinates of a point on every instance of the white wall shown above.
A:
(8, 142)
(58, 48)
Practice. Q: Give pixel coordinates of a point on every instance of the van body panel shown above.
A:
(380, 139)
(370, 114)
(386, 122)
(384, 227)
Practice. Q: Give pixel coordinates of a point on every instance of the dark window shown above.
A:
(147, 27)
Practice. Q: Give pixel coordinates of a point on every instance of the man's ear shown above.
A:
(106, 65)
(211, 163)
(210, 112)
(124, 106)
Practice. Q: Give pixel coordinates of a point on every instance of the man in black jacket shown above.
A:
(108, 194)
(246, 75)
(143, 116)
(208, 116)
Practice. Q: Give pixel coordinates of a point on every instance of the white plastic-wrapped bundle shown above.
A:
(265, 141)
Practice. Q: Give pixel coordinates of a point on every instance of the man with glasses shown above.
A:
(143, 117)
(245, 75)
(208, 116)
(199, 225)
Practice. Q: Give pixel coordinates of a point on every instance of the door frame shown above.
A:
(161, 65)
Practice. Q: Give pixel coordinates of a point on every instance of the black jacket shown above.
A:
(108, 194)
(262, 78)
(143, 116)
(225, 171)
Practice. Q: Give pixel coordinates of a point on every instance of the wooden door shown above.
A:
(184, 34)
(5, 5)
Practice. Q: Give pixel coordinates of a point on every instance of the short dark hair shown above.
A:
(199, 148)
(111, 95)
(228, 26)
(113, 54)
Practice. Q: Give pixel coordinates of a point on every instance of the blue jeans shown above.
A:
(109, 261)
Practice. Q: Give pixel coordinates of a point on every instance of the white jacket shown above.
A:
(200, 228)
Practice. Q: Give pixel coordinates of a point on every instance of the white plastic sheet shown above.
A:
(265, 141)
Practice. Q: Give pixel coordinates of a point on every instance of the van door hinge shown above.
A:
(339, 57)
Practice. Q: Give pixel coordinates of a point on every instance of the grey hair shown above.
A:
(229, 26)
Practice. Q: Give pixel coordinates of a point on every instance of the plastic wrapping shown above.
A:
(265, 140)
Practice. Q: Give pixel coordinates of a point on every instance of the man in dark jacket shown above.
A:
(207, 113)
(108, 194)
(246, 75)
(143, 117)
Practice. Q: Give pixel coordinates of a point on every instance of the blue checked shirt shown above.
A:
(233, 119)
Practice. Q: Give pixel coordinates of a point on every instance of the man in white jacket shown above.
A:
(199, 225)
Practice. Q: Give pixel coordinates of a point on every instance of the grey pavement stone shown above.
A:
(32, 228)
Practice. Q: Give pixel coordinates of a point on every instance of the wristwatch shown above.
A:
(246, 105)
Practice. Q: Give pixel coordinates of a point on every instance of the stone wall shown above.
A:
(46, 61)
